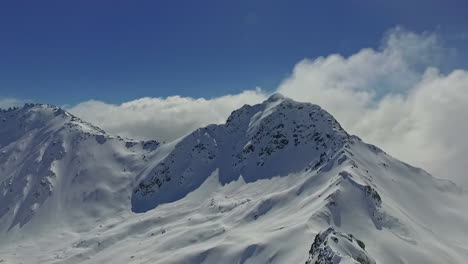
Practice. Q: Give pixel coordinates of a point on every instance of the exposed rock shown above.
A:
(333, 247)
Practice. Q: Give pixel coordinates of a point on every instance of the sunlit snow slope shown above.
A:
(51, 159)
(280, 182)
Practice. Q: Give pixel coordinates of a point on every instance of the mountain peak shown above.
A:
(253, 143)
(37, 113)
(36, 116)
(278, 108)
(276, 97)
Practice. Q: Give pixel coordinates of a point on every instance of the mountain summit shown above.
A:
(274, 138)
(279, 182)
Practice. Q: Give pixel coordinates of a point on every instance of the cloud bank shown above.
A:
(163, 119)
(394, 96)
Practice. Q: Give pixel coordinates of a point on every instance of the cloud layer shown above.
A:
(394, 97)
(163, 119)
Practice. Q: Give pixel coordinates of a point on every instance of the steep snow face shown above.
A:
(254, 143)
(46, 154)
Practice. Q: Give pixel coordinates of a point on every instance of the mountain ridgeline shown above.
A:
(44, 150)
(253, 144)
(279, 182)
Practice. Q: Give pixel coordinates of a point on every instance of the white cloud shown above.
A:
(163, 118)
(394, 97)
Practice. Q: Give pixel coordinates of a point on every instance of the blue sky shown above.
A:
(66, 52)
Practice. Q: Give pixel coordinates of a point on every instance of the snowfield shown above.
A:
(280, 182)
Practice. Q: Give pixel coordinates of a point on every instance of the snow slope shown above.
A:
(51, 159)
(280, 182)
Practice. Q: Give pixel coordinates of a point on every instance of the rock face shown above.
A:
(332, 247)
(254, 143)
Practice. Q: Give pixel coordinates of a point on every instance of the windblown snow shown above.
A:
(279, 182)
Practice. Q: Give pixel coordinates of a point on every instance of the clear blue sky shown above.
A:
(65, 52)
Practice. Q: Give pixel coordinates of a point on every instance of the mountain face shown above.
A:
(279, 182)
(253, 144)
(46, 154)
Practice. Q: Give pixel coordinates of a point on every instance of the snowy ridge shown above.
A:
(42, 149)
(254, 143)
(280, 182)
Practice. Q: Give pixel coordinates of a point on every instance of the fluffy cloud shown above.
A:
(425, 126)
(394, 97)
(163, 118)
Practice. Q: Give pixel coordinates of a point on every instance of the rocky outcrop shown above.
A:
(333, 247)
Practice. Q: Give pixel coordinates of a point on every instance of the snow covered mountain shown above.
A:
(49, 155)
(280, 182)
(276, 138)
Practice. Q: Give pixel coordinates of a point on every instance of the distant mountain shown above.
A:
(280, 182)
